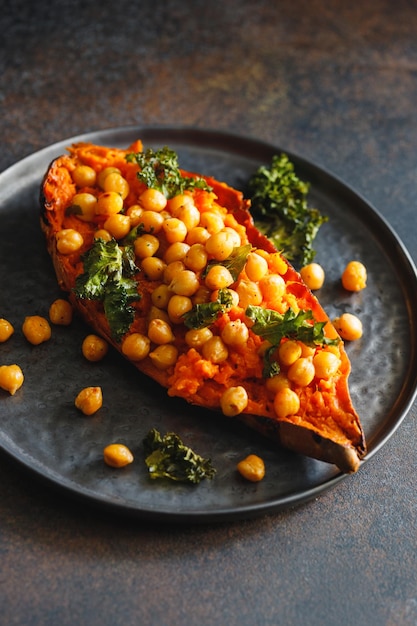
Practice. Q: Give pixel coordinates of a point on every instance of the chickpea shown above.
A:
(197, 235)
(256, 267)
(115, 182)
(108, 203)
(87, 204)
(174, 230)
(136, 346)
(235, 333)
(36, 329)
(313, 276)
(68, 240)
(277, 382)
(288, 352)
(213, 222)
(153, 200)
(103, 234)
(94, 348)
(11, 378)
(286, 403)
(164, 356)
(195, 338)
(301, 372)
(6, 330)
(196, 257)
(104, 173)
(354, 276)
(145, 245)
(84, 176)
(153, 267)
(160, 332)
(176, 252)
(60, 312)
(249, 293)
(325, 364)
(220, 245)
(215, 350)
(184, 283)
(151, 221)
(203, 294)
(135, 213)
(177, 307)
(349, 327)
(171, 270)
(117, 455)
(118, 225)
(179, 201)
(234, 401)
(158, 314)
(190, 215)
(161, 295)
(252, 468)
(218, 277)
(89, 400)
(234, 236)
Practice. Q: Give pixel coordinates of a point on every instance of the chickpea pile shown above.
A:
(181, 244)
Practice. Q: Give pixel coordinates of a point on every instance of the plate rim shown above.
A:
(273, 504)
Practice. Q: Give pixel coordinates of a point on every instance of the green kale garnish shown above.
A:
(107, 277)
(169, 457)
(272, 326)
(160, 170)
(281, 212)
(206, 313)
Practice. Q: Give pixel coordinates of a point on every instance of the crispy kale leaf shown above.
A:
(280, 209)
(273, 326)
(160, 170)
(169, 457)
(107, 277)
(206, 313)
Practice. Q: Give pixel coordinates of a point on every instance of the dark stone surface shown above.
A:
(334, 82)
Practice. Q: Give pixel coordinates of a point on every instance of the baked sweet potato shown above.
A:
(217, 315)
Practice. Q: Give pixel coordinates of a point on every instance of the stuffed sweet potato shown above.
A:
(170, 269)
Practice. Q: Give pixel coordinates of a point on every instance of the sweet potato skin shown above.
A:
(315, 440)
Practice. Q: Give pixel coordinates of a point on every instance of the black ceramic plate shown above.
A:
(40, 426)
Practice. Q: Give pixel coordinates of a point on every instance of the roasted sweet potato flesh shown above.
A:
(325, 424)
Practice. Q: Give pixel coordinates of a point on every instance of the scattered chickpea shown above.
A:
(86, 204)
(11, 378)
(109, 203)
(94, 348)
(136, 346)
(348, 326)
(89, 400)
(60, 312)
(252, 468)
(117, 455)
(6, 330)
(104, 173)
(313, 276)
(215, 350)
(153, 200)
(234, 401)
(36, 329)
(354, 276)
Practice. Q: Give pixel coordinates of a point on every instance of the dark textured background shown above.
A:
(334, 82)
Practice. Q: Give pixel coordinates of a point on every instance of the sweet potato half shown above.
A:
(317, 417)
